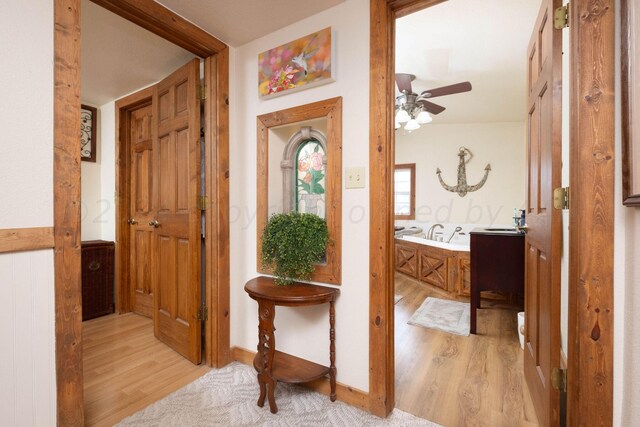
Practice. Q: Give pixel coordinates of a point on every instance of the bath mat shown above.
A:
(397, 298)
(444, 315)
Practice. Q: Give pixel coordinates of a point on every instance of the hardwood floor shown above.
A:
(455, 380)
(126, 368)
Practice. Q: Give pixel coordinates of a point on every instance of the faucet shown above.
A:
(431, 230)
(454, 233)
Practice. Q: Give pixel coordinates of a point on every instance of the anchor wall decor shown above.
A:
(463, 188)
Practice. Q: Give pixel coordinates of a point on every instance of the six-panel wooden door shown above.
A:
(176, 258)
(543, 243)
(142, 209)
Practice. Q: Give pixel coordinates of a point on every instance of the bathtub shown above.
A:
(458, 246)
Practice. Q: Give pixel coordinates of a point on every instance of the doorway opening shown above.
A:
(139, 195)
(67, 206)
(470, 177)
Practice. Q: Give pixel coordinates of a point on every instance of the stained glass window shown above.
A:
(310, 178)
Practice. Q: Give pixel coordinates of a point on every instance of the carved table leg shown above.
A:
(266, 351)
(332, 350)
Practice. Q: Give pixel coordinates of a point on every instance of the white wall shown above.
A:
(626, 379)
(304, 332)
(107, 219)
(27, 364)
(91, 205)
(436, 146)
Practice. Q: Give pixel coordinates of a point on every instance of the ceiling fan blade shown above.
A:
(403, 80)
(447, 90)
(431, 107)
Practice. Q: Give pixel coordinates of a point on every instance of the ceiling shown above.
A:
(483, 42)
(237, 22)
(119, 57)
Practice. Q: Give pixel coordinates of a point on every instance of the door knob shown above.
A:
(132, 221)
(154, 223)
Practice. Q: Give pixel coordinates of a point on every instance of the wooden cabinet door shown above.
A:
(176, 258)
(407, 260)
(432, 267)
(141, 210)
(543, 241)
(464, 275)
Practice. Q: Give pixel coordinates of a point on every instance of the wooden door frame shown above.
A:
(592, 103)
(66, 165)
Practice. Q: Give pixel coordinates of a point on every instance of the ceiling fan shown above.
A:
(414, 109)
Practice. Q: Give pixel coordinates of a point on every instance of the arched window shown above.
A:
(304, 166)
(310, 178)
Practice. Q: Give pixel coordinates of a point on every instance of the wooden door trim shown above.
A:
(124, 107)
(66, 166)
(66, 212)
(26, 239)
(591, 217)
(217, 286)
(165, 23)
(592, 175)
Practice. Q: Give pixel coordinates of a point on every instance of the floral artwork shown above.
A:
(302, 63)
(310, 195)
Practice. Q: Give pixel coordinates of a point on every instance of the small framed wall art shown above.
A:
(88, 125)
(299, 64)
(630, 56)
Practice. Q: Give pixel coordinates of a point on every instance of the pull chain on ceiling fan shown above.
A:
(414, 109)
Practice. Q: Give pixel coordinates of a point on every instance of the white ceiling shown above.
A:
(119, 57)
(237, 22)
(483, 42)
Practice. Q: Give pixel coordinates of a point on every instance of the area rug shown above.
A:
(397, 298)
(445, 315)
(227, 397)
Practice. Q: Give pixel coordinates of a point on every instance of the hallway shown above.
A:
(126, 368)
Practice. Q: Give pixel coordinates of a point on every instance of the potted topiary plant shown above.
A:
(292, 243)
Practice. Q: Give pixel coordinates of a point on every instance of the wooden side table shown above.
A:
(272, 365)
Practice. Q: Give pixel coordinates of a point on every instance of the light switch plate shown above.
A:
(355, 178)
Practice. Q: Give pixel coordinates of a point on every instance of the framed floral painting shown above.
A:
(300, 64)
(630, 57)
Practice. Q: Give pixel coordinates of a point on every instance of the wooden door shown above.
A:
(543, 243)
(176, 259)
(141, 209)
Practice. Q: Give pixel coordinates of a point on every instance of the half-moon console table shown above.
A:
(273, 365)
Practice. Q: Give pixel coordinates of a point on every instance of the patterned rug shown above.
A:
(445, 315)
(228, 396)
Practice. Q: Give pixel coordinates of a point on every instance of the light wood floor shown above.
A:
(455, 380)
(126, 368)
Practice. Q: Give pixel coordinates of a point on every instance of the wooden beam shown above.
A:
(381, 162)
(165, 23)
(26, 239)
(66, 212)
(591, 217)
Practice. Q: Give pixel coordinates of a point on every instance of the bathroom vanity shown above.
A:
(497, 264)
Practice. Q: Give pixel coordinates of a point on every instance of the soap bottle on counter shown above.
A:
(522, 218)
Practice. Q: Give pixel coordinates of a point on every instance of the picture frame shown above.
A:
(88, 125)
(630, 73)
(299, 64)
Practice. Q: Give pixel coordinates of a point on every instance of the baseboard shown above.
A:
(344, 393)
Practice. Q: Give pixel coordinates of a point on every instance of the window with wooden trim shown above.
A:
(404, 191)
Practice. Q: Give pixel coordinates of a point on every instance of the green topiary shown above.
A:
(292, 243)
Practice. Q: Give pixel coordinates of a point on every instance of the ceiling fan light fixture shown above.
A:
(412, 125)
(402, 116)
(424, 118)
